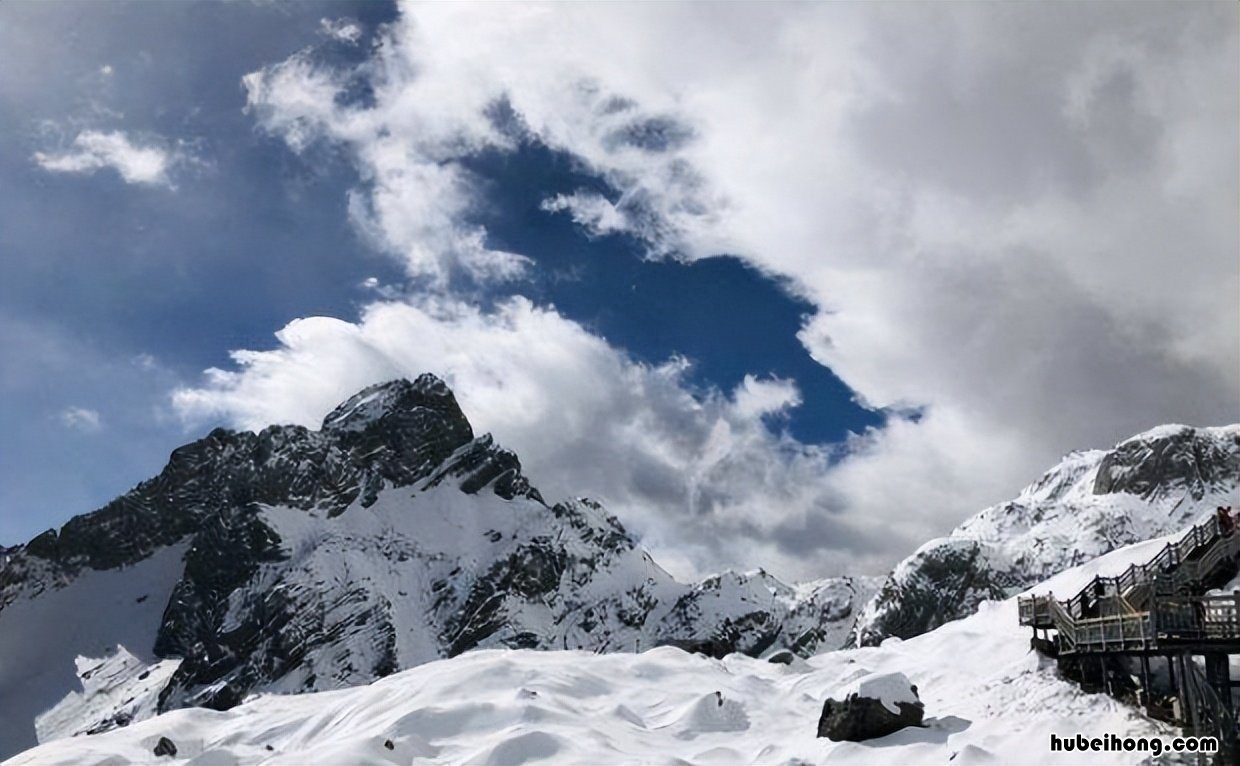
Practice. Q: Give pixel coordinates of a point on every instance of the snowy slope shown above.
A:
(989, 699)
(1092, 502)
(42, 637)
(297, 560)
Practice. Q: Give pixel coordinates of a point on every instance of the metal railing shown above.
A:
(1147, 600)
(1116, 632)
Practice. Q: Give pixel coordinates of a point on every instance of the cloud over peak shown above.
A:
(1018, 221)
(698, 473)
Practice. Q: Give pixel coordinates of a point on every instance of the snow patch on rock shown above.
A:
(890, 689)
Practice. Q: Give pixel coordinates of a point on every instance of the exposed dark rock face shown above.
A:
(212, 493)
(392, 434)
(1093, 502)
(1180, 461)
(857, 718)
(226, 553)
(943, 581)
(166, 747)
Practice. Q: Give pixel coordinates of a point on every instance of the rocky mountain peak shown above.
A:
(395, 400)
(295, 560)
(392, 434)
(1170, 459)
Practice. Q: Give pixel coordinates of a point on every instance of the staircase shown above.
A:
(1159, 600)
(1159, 608)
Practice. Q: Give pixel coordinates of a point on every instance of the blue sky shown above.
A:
(149, 286)
(727, 317)
(255, 237)
(788, 286)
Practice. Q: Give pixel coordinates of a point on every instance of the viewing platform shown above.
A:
(1159, 609)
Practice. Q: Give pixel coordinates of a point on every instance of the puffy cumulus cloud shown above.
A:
(1019, 220)
(137, 162)
(81, 419)
(700, 476)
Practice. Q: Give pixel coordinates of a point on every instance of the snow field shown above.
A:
(989, 699)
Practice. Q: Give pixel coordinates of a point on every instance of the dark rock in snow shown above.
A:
(875, 706)
(166, 747)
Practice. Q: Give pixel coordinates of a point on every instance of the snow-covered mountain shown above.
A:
(1091, 503)
(989, 700)
(295, 560)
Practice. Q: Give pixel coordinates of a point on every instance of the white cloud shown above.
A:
(1023, 221)
(81, 419)
(346, 31)
(755, 398)
(591, 211)
(417, 190)
(145, 164)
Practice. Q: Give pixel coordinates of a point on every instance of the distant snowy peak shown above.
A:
(1091, 503)
(1171, 459)
(1145, 486)
(393, 536)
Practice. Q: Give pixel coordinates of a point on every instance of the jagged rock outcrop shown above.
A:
(1091, 503)
(943, 580)
(1171, 459)
(295, 560)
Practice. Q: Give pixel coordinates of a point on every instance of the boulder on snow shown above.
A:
(874, 705)
(782, 657)
(166, 747)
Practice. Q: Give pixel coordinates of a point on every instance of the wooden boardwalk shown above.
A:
(1159, 609)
